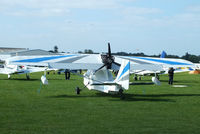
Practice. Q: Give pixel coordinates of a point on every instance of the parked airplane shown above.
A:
(20, 69)
(163, 54)
(98, 76)
(102, 80)
(179, 65)
(197, 66)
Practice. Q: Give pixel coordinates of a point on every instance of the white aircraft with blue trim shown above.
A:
(102, 80)
(99, 67)
(179, 65)
(10, 69)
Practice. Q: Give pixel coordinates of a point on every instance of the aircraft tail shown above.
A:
(163, 55)
(123, 74)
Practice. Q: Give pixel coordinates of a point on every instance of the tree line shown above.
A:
(187, 56)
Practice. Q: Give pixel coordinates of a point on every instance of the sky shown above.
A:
(148, 26)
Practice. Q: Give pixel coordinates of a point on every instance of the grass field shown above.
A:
(56, 109)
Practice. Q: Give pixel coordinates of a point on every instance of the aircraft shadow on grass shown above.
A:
(133, 97)
(180, 81)
(168, 95)
(130, 97)
(155, 97)
(162, 81)
(71, 79)
(141, 83)
(21, 79)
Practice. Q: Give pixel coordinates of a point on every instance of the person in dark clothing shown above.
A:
(171, 75)
(67, 74)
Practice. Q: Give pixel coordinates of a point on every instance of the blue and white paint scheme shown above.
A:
(103, 80)
(93, 61)
(152, 65)
(98, 75)
(163, 54)
(20, 69)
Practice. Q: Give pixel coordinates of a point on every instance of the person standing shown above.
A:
(67, 74)
(171, 75)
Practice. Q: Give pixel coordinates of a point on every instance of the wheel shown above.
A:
(27, 77)
(135, 78)
(121, 94)
(78, 90)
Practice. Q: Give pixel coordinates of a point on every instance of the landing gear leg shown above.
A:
(157, 76)
(78, 90)
(121, 94)
(135, 78)
(27, 77)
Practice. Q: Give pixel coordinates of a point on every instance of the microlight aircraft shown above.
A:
(99, 67)
(10, 69)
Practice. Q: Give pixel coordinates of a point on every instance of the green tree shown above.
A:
(55, 49)
(88, 51)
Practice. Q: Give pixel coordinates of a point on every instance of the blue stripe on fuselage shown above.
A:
(127, 67)
(162, 61)
(44, 58)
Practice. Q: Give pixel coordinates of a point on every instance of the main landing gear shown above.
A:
(27, 77)
(78, 90)
(121, 94)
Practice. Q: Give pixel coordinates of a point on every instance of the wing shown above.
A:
(156, 64)
(94, 62)
(136, 65)
(68, 61)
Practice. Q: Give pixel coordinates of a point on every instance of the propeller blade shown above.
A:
(100, 68)
(117, 64)
(109, 50)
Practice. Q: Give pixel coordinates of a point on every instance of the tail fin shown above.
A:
(123, 74)
(163, 55)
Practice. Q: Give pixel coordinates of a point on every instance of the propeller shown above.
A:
(108, 60)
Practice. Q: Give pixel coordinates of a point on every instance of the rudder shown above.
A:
(123, 74)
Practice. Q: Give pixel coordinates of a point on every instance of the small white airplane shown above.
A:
(10, 69)
(102, 80)
(179, 65)
(20, 69)
(98, 66)
(197, 66)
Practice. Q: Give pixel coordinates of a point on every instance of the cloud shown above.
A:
(124, 15)
(155, 17)
(39, 12)
(54, 7)
(193, 8)
(140, 16)
(140, 11)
